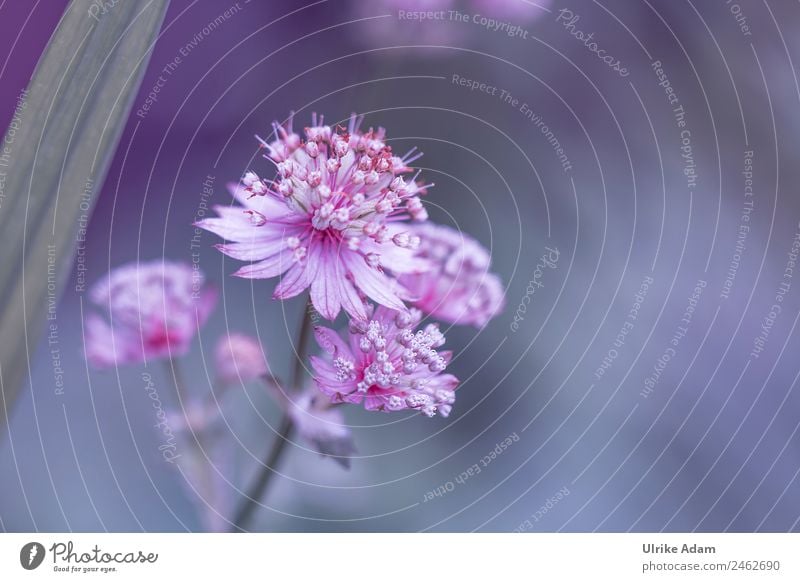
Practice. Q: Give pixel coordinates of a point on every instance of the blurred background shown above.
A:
(645, 385)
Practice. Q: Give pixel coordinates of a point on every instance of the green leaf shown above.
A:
(54, 159)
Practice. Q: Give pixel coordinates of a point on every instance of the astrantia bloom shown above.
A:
(239, 358)
(322, 426)
(154, 311)
(459, 287)
(387, 365)
(332, 219)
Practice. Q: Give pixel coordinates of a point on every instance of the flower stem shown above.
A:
(263, 479)
(301, 348)
(174, 372)
(197, 446)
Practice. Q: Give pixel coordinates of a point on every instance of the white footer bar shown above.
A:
(355, 557)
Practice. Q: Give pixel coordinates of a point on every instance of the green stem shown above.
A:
(301, 348)
(259, 486)
(173, 371)
(192, 440)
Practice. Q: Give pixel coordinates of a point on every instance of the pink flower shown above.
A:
(329, 220)
(522, 10)
(407, 37)
(386, 365)
(402, 35)
(154, 309)
(459, 288)
(239, 358)
(322, 426)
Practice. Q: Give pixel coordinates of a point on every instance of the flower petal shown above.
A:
(238, 228)
(375, 284)
(351, 301)
(325, 284)
(267, 204)
(271, 267)
(331, 342)
(294, 282)
(252, 251)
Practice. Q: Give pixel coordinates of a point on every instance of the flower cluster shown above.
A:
(239, 358)
(154, 310)
(387, 365)
(331, 219)
(459, 288)
(340, 217)
(343, 217)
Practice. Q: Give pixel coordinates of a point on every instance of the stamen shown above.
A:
(256, 218)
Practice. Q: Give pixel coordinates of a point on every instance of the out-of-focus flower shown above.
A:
(387, 365)
(406, 32)
(329, 220)
(239, 358)
(322, 426)
(522, 10)
(459, 288)
(428, 27)
(154, 309)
